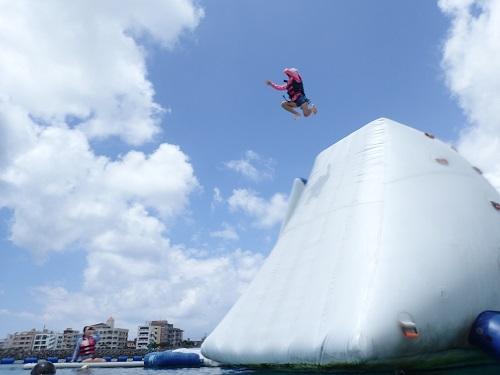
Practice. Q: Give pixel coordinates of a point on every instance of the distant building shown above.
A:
(21, 340)
(59, 341)
(34, 340)
(158, 332)
(69, 338)
(111, 337)
(175, 338)
(147, 334)
(2, 343)
(44, 340)
(131, 344)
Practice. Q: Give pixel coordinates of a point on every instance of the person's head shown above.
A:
(43, 368)
(88, 330)
(291, 72)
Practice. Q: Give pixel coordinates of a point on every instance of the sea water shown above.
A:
(18, 370)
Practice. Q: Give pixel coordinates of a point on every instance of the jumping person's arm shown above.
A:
(77, 350)
(275, 86)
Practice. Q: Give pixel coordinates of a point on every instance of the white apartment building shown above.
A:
(111, 337)
(44, 340)
(147, 334)
(34, 340)
(60, 341)
(2, 343)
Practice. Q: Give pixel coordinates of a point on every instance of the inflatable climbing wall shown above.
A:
(389, 250)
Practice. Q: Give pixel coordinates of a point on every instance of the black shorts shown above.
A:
(301, 100)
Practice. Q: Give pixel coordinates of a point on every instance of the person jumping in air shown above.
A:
(295, 89)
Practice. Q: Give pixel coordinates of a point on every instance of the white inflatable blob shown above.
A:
(390, 250)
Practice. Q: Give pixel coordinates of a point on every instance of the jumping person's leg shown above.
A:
(290, 107)
(308, 111)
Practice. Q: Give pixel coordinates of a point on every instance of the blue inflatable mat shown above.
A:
(171, 359)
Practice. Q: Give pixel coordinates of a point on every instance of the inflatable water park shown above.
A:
(389, 255)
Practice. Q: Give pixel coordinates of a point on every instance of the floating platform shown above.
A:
(30, 366)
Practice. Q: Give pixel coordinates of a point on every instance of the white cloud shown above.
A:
(67, 193)
(79, 61)
(159, 180)
(19, 314)
(71, 73)
(252, 166)
(134, 285)
(267, 213)
(226, 233)
(216, 198)
(471, 58)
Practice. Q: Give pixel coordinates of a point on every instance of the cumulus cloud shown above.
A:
(80, 62)
(252, 166)
(18, 314)
(216, 198)
(140, 284)
(266, 213)
(226, 233)
(471, 57)
(60, 192)
(71, 73)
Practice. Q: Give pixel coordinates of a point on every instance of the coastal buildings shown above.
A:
(175, 337)
(111, 337)
(160, 333)
(69, 338)
(21, 340)
(59, 340)
(131, 344)
(147, 334)
(45, 340)
(34, 340)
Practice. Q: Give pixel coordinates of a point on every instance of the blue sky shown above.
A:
(360, 61)
(141, 213)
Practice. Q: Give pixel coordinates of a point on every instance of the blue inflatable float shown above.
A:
(122, 358)
(52, 359)
(107, 358)
(171, 359)
(7, 361)
(30, 360)
(485, 333)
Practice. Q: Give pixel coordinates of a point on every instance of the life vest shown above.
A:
(295, 89)
(89, 348)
